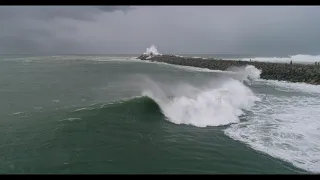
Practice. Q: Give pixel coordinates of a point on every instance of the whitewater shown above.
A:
(283, 125)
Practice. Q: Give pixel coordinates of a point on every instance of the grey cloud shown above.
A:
(49, 12)
(264, 31)
(114, 8)
(43, 29)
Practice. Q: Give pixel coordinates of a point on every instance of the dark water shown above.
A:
(86, 116)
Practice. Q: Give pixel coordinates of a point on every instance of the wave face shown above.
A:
(219, 102)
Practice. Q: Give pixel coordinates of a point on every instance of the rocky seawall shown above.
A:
(292, 72)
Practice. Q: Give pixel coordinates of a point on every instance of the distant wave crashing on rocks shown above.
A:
(297, 68)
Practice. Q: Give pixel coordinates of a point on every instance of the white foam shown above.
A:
(71, 119)
(284, 127)
(216, 105)
(178, 56)
(299, 58)
(83, 109)
(17, 113)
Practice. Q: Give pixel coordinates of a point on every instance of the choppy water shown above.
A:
(98, 114)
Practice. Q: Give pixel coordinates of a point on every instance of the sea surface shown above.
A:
(102, 114)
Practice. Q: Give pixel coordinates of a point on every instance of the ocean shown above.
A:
(119, 115)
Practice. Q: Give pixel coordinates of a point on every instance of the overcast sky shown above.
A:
(272, 31)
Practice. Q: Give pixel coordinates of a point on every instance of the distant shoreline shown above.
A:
(306, 73)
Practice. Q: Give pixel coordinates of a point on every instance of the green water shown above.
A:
(80, 116)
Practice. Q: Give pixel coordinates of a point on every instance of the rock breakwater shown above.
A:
(292, 72)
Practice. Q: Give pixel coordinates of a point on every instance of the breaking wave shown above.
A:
(218, 103)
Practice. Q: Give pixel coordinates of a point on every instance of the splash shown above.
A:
(219, 103)
(152, 50)
(248, 72)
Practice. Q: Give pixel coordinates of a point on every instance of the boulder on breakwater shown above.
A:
(307, 73)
